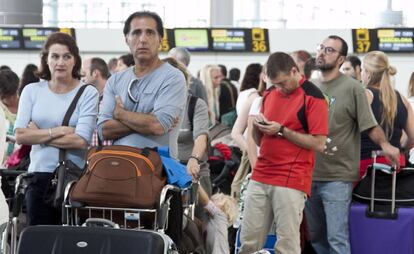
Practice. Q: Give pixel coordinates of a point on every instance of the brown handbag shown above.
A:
(120, 176)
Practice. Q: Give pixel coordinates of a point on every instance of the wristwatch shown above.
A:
(280, 132)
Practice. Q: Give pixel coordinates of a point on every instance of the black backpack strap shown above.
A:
(301, 113)
(191, 108)
(266, 93)
(68, 115)
(232, 97)
(146, 151)
(302, 116)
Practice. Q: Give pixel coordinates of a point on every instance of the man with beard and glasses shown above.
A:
(141, 104)
(337, 168)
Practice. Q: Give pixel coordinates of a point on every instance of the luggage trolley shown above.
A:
(9, 236)
(156, 219)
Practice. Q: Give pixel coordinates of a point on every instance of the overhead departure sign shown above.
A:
(364, 40)
(10, 38)
(34, 38)
(259, 40)
(390, 40)
(167, 42)
(255, 40)
(396, 39)
(228, 39)
(194, 39)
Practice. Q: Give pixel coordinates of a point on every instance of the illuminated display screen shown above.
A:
(192, 39)
(34, 38)
(254, 40)
(395, 40)
(390, 40)
(228, 39)
(10, 38)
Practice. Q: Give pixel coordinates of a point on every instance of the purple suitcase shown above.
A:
(378, 229)
(381, 236)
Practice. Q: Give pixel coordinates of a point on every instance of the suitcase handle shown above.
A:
(370, 212)
(99, 222)
(384, 167)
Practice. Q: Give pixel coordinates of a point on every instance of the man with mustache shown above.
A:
(142, 104)
(338, 167)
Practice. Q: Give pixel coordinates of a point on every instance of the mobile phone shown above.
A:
(263, 123)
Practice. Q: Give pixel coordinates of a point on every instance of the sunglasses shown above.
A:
(129, 91)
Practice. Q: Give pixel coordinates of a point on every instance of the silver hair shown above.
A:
(180, 54)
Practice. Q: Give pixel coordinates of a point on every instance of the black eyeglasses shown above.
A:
(326, 50)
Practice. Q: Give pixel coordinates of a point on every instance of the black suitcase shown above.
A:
(99, 240)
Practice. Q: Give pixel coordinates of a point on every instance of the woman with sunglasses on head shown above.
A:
(391, 110)
(42, 108)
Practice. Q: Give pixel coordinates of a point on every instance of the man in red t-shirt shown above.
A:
(292, 125)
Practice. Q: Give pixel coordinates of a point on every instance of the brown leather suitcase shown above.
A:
(120, 176)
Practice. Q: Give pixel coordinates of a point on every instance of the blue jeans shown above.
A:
(327, 214)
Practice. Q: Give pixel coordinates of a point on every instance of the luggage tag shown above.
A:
(134, 216)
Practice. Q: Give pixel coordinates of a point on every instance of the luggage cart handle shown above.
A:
(99, 222)
(164, 191)
(20, 181)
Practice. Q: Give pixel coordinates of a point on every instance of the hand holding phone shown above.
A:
(263, 123)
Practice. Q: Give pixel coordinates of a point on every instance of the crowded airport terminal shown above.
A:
(206, 127)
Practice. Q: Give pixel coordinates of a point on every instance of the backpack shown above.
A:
(230, 117)
(120, 176)
(190, 112)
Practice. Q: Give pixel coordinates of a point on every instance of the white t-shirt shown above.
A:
(255, 108)
(241, 99)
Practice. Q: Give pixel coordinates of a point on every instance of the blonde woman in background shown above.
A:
(391, 110)
(211, 77)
